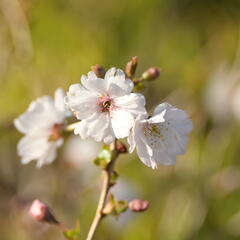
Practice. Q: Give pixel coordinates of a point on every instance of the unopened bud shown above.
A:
(138, 205)
(40, 212)
(151, 74)
(98, 70)
(131, 66)
(120, 147)
(56, 132)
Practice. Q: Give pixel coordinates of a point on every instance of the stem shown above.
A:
(103, 196)
(70, 127)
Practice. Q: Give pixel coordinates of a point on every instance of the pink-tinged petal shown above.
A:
(122, 121)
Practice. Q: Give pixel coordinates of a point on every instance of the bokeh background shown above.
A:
(46, 44)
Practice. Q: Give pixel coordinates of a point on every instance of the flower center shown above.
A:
(153, 134)
(56, 132)
(151, 130)
(105, 103)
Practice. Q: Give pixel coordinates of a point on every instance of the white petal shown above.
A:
(116, 77)
(81, 101)
(158, 118)
(50, 155)
(183, 126)
(122, 121)
(32, 148)
(136, 131)
(161, 107)
(58, 100)
(171, 112)
(110, 73)
(32, 119)
(92, 83)
(142, 152)
(134, 103)
(97, 127)
(131, 141)
(115, 90)
(164, 158)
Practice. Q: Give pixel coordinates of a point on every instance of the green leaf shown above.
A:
(104, 157)
(121, 206)
(73, 234)
(115, 207)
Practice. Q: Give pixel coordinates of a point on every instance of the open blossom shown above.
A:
(160, 138)
(42, 124)
(106, 106)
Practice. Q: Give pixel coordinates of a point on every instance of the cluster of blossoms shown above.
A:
(108, 110)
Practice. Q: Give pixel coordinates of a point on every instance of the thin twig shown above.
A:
(107, 172)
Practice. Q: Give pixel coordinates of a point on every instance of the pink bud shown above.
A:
(40, 212)
(120, 147)
(98, 70)
(138, 205)
(131, 66)
(151, 74)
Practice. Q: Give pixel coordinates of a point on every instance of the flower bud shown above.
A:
(120, 147)
(98, 70)
(40, 212)
(131, 66)
(56, 132)
(138, 205)
(151, 74)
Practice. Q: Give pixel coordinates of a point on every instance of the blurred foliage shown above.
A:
(46, 44)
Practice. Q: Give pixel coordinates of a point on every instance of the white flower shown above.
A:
(160, 138)
(42, 124)
(223, 89)
(106, 106)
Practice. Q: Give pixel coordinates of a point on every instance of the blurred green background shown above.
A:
(46, 44)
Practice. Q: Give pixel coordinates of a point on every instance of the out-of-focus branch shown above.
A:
(19, 28)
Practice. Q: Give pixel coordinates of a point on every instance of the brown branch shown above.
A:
(106, 185)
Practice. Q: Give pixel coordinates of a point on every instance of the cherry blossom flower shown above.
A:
(160, 138)
(106, 107)
(42, 124)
